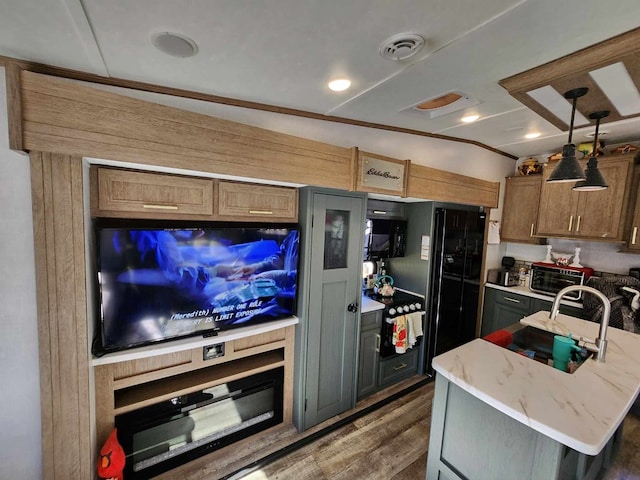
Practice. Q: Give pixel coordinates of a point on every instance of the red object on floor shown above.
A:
(112, 459)
(500, 337)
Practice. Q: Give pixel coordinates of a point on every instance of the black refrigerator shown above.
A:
(458, 241)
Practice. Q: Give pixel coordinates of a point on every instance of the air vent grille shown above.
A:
(402, 46)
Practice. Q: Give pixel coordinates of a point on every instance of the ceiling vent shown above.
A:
(401, 46)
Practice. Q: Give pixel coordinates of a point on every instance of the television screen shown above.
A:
(163, 283)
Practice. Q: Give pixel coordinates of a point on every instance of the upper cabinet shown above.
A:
(595, 215)
(124, 193)
(132, 194)
(247, 201)
(633, 233)
(520, 211)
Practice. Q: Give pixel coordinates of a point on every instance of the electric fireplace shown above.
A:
(160, 437)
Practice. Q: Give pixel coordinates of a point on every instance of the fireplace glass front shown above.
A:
(162, 436)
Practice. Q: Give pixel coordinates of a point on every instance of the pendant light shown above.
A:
(568, 168)
(594, 181)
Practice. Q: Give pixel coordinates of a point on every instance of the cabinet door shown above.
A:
(256, 202)
(599, 213)
(633, 234)
(502, 309)
(520, 210)
(558, 202)
(539, 304)
(368, 362)
(130, 194)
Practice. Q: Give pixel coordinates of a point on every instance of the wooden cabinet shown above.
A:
(595, 215)
(520, 210)
(246, 201)
(124, 193)
(132, 194)
(633, 232)
(132, 384)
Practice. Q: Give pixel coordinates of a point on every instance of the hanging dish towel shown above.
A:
(414, 328)
(494, 232)
(400, 334)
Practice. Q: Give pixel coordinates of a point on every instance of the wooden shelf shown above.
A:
(149, 393)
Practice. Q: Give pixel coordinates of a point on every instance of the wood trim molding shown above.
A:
(147, 87)
(56, 185)
(572, 71)
(589, 58)
(426, 182)
(14, 106)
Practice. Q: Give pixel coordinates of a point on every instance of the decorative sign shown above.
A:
(382, 174)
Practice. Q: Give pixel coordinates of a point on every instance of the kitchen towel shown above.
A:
(414, 328)
(400, 334)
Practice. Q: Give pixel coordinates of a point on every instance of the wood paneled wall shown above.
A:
(434, 184)
(60, 116)
(56, 183)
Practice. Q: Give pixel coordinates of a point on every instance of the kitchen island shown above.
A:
(498, 414)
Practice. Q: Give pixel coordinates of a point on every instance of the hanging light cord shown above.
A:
(594, 151)
(573, 116)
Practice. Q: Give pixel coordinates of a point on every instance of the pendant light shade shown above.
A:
(568, 168)
(594, 181)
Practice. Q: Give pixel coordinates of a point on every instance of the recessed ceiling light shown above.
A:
(340, 84)
(470, 118)
(175, 45)
(532, 135)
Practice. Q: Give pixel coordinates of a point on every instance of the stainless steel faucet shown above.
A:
(601, 341)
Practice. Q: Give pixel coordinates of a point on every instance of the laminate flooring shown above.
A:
(391, 443)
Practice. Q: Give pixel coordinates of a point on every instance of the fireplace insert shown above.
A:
(162, 436)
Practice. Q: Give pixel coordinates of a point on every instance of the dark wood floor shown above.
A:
(392, 442)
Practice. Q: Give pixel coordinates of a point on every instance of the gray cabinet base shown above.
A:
(472, 440)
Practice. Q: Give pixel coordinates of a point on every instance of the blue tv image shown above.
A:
(158, 284)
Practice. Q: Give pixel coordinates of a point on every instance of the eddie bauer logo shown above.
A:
(378, 173)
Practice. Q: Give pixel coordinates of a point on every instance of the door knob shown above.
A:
(353, 307)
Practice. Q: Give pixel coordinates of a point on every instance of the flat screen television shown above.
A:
(162, 283)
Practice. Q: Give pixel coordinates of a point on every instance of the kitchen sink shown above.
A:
(537, 344)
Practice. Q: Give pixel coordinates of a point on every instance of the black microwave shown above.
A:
(385, 238)
(549, 279)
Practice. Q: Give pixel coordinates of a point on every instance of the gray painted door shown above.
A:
(335, 278)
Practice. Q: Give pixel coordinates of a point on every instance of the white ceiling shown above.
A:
(283, 53)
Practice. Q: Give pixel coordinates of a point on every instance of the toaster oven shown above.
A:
(549, 279)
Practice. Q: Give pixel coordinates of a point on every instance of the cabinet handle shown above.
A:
(160, 207)
(634, 235)
(260, 212)
(570, 222)
(400, 367)
(378, 342)
(531, 231)
(514, 300)
(578, 224)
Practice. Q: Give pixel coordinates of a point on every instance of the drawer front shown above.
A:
(517, 301)
(257, 202)
(398, 368)
(371, 321)
(152, 195)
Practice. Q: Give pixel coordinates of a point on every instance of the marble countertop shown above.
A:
(370, 305)
(522, 290)
(581, 410)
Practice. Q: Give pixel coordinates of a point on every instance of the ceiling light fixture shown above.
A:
(594, 181)
(568, 168)
(532, 135)
(175, 45)
(470, 118)
(340, 84)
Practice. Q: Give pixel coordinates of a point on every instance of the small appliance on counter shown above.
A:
(549, 279)
(504, 276)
